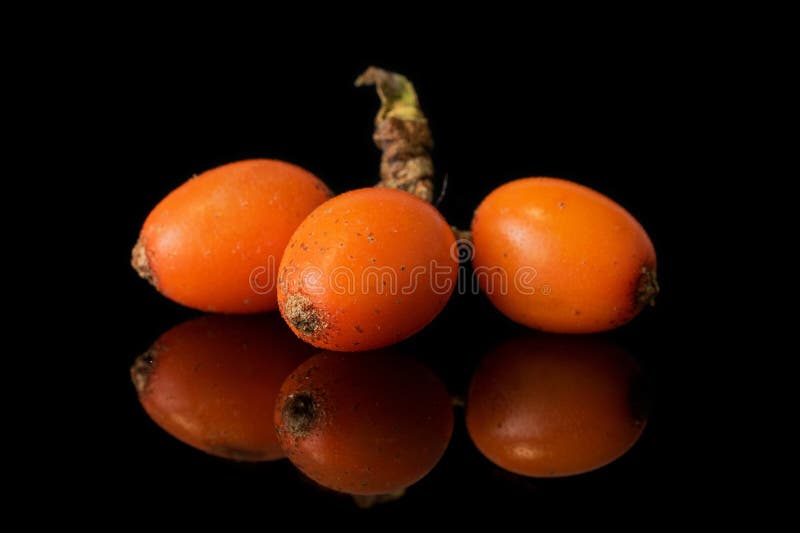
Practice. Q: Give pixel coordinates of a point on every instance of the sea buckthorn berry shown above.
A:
(214, 243)
(557, 256)
(547, 406)
(363, 423)
(212, 382)
(367, 269)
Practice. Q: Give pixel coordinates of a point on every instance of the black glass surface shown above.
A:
(600, 121)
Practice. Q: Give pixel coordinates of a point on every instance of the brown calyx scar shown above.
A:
(648, 288)
(300, 413)
(301, 313)
(141, 264)
(143, 368)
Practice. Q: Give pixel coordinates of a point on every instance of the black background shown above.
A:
(604, 116)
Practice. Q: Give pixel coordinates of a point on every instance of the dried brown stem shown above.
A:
(402, 133)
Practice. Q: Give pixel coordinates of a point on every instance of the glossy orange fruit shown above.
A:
(214, 243)
(557, 256)
(367, 269)
(363, 423)
(212, 382)
(555, 406)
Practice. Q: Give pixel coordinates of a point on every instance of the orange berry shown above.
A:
(212, 382)
(214, 243)
(363, 423)
(555, 406)
(367, 269)
(557, 256)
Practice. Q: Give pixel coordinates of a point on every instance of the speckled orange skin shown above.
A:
(204, 241)
(365, 231)
(382, 421)
(587, 252)
(547, 406)
(212, 382)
